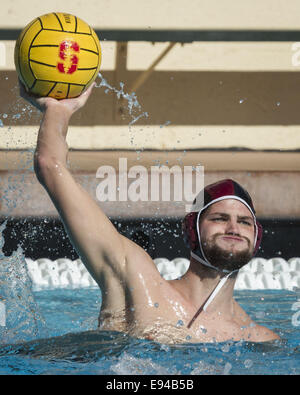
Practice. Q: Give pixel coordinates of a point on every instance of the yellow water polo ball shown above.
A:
(57, 55)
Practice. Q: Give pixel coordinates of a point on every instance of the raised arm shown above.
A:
(100, 246)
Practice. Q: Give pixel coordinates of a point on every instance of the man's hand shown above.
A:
(69, 105)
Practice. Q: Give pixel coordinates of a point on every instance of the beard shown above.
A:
(226, 259)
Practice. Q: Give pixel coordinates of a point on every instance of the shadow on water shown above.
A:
(85, 346)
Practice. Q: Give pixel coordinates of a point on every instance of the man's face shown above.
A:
(227, 233)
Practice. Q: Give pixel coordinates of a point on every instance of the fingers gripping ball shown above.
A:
(57, 55)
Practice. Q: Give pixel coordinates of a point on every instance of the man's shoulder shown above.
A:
(256, 332)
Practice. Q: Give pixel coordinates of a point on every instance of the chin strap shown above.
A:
(215, 291)
(206, 263)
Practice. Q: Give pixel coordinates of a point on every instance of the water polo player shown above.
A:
(223, 236)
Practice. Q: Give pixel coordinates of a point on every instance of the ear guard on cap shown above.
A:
(189, 231)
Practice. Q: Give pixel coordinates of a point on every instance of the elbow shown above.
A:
(44, 166)
(41, 167)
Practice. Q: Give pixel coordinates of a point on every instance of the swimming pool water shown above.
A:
(74, 346)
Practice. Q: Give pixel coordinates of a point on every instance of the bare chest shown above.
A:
(163, 315)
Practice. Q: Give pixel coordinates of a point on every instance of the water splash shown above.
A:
(22, 320)
(132, 101)
(131, 365)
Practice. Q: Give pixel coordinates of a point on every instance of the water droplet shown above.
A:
(179, 323)
(164, 347)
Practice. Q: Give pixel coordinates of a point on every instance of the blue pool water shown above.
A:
(74, 346)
